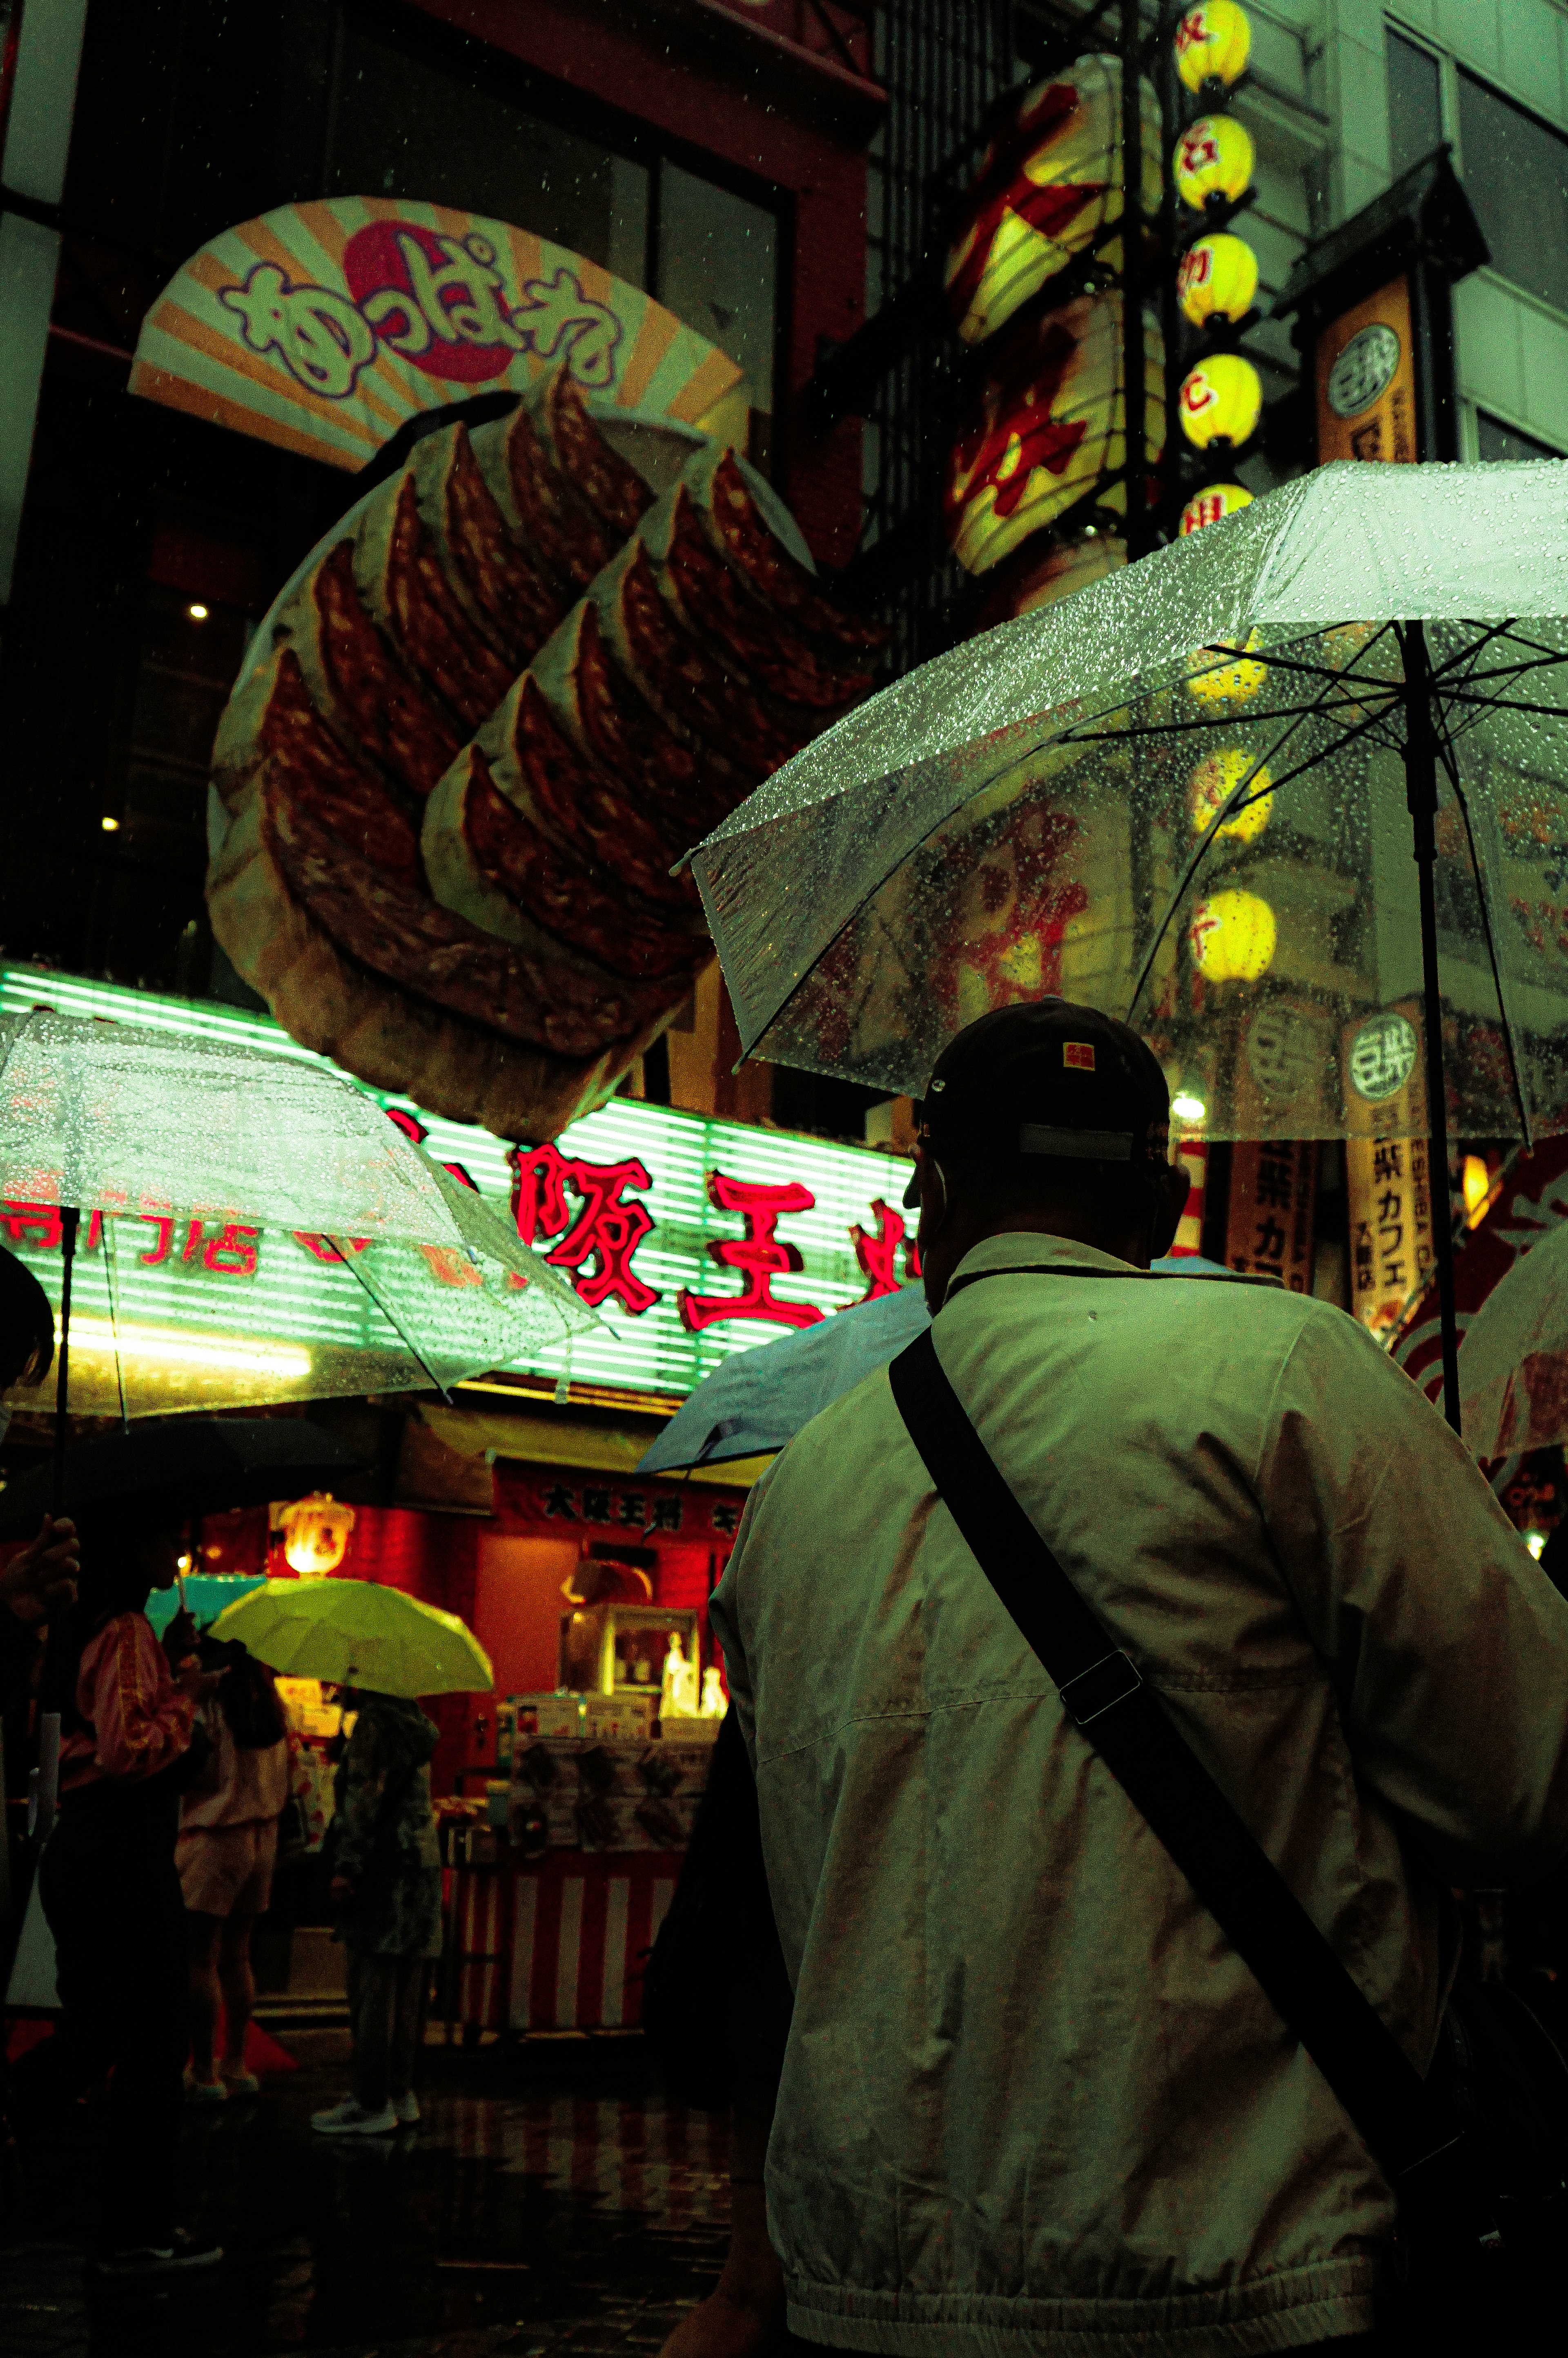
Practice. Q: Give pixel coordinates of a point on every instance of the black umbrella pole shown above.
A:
(69, 1221)
(1420, 795)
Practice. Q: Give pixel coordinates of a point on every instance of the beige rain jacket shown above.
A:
(1031, 2100)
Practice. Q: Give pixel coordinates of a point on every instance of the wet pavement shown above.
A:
(545, 2204)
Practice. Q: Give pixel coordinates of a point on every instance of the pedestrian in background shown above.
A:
(225, 1856)
(386, 1884)
(40, 1578)
(128, 1726)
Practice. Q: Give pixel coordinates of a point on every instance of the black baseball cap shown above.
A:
(1047, 1078)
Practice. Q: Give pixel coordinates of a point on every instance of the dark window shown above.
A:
(1415, 104)
(1497, 440)
(403, 128)
(1516, 177)
(717, 269)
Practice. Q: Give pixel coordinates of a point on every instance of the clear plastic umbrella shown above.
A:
(171, 1163)
(1190, 795)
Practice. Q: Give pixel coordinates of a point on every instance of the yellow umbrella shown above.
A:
(358, 1634)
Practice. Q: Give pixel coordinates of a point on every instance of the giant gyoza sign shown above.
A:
(691, 1238)
(325, 326)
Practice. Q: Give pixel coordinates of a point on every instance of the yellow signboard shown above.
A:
(1387, 1167)
(324, 327)
(1273, 1195)
(1366, 380)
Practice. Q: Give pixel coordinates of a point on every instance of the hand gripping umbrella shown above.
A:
(1189, 795)
(161, 1133)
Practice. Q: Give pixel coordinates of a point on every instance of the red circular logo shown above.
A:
(432, 304)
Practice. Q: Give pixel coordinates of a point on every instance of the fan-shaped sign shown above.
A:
(1047, 186)
(325, 326)
(1047, 429)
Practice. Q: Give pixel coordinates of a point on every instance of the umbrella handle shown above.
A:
(69, 1221)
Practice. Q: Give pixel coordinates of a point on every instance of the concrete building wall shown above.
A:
(1512, 347)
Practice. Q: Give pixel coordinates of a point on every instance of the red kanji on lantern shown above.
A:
(876, 1254)
(605, 1230)
(758, 1255)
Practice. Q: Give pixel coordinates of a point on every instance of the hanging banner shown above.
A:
(1273, 1195)
(324, 327)
(1366, 380)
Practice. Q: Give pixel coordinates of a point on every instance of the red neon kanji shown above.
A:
(876, 1254)
(21, 1220)
(165, 1226)
(418, 1131)
(758, 1254)
(605, 1230)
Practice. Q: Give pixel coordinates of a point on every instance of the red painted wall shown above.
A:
(700, 74)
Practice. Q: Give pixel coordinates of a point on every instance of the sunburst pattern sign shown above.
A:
(324, 327)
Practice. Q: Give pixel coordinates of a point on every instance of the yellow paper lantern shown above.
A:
(1215, 500)
(1232, 937)
(1221, 683)
(1211, 786)
(1213, 163)
(1048, 184)
(1217, 279)
(1212, 44)
(1220, 401)
(1046, 430)
(316, 1533)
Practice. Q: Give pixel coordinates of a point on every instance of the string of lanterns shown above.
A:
(1220, 400)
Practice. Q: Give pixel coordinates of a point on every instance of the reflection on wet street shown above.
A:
(517, 2217)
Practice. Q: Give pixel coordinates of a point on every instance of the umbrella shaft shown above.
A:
(70, 1220)
(1420, 795)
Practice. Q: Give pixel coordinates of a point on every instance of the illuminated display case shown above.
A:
(620, 1649)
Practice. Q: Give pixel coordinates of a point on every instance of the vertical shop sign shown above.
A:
(1273, 1195)
(1191, 1153)
(1387, 1168)
(1366, 380)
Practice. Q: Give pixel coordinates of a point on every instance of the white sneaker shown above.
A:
(406, 2108)
(351, 2119)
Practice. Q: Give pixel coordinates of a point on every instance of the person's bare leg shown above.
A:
(205, 1996)
(239, 1987)
(743, 2317)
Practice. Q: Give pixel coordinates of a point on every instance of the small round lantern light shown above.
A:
(1215, 500)
(1214, 781)
(1212, 44)
(1213, 681)
(1232, 937)
(1221, 400)
(1213, 162)
(1217, 279)
(316, 1533)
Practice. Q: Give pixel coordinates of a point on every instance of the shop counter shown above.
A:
(555, 1943)
(550, 1929)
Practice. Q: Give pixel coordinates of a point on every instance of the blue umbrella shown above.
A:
(759, 1399)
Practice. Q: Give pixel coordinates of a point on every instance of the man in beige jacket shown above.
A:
(1032, 2100)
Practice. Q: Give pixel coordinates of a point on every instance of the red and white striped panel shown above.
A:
(1193, 1154)
(481, 1905)
(581, 1926)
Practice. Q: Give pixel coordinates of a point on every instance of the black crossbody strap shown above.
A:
(1103, 1694)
